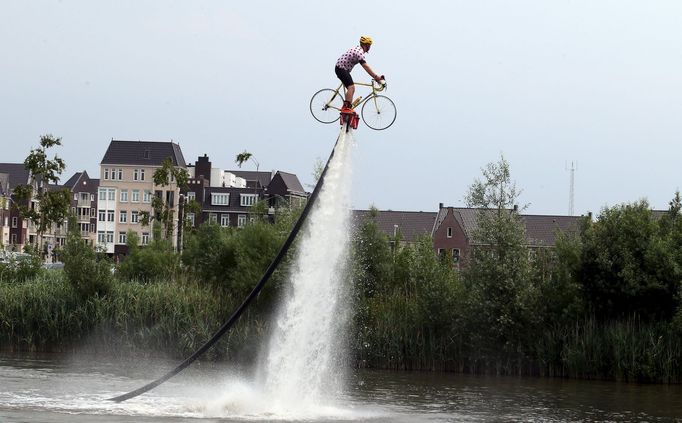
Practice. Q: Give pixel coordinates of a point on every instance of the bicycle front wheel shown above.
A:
(378, 112)
(326, 105)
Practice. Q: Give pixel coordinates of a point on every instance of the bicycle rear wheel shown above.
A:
(378, 112)
(326, 105)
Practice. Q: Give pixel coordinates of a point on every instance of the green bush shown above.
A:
(88, 271)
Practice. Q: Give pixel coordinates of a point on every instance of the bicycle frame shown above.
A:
(376, 88)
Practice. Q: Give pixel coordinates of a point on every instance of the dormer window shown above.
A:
(146, 154)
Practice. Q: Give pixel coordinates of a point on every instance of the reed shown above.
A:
(154, 317)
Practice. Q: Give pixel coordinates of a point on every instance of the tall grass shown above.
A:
(46, 314)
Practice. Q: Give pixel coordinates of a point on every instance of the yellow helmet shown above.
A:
(365, 40)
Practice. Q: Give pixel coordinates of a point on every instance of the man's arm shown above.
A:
(371, 72)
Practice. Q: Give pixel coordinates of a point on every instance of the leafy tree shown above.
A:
(156, 261)
(498, 273)
(52, 204)
(162, 211)
(88, 271)
(371, 259)
(630, 262)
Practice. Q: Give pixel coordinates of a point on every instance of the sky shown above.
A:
(542, 83)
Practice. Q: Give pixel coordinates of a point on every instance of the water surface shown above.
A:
(74, 389)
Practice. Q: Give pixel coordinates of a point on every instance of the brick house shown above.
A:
(452, 229)
(83, 191)
(226, 197)
(18, 231)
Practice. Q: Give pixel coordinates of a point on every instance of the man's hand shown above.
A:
(379, 78)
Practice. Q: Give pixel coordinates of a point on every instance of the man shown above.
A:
(346, 63)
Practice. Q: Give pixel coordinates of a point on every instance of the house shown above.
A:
(452, 229)
(5, 195)
(83, 190)
(226, 197)
(126, 187)
(18, 231)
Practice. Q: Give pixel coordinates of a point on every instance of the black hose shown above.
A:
(256, 290)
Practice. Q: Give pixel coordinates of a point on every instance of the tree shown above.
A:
(630, 262)
(88, 271)
(162, 210)
(52, 204)
(498, 274)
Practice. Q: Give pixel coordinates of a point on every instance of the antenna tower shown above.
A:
(571, 190)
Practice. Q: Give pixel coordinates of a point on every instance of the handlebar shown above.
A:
(381, 85)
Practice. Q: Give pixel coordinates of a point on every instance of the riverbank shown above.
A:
(173, 319)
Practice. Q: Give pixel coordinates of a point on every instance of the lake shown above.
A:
(68, 388)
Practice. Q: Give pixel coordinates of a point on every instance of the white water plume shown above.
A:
(303, 363)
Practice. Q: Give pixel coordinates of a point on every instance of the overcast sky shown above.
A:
(545, 83)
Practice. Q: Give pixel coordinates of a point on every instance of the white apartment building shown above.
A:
(126, 188)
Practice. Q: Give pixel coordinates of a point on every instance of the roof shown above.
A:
(292, 182)
(263, 178)
(146, 153)
(73, 180)
(410, 224)
(4, 184)
(17, 174)
(540, 229)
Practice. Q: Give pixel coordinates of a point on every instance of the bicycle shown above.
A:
(378, 111)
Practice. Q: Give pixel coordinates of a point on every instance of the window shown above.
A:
(101, 237)
(146, 154)
(141, 174)
(120, 174)
(241, 220)
(147, 198)
(247, 200)
(124, 196)
(455, 255)
(122, 238)
(145, 238)
(213, 218)
(123, 216)
(220, 199)
(224, 219)
(441, 251)
(102, 194)
(110, 215)
(75, 196)
(112, 194)
(190, 218)
(110, 236)
(191, 196)
(92, 212)
(134, 216)
(106, 173)
(449, 232)
(14, 222)
(136, 196)
(92, 197)
(102, 216)
(14, 239)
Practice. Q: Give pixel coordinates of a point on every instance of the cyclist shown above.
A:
(346, 63)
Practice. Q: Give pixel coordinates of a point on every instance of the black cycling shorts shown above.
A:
(344, 76)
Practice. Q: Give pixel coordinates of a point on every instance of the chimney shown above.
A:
(440, 206)
(516, 208)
